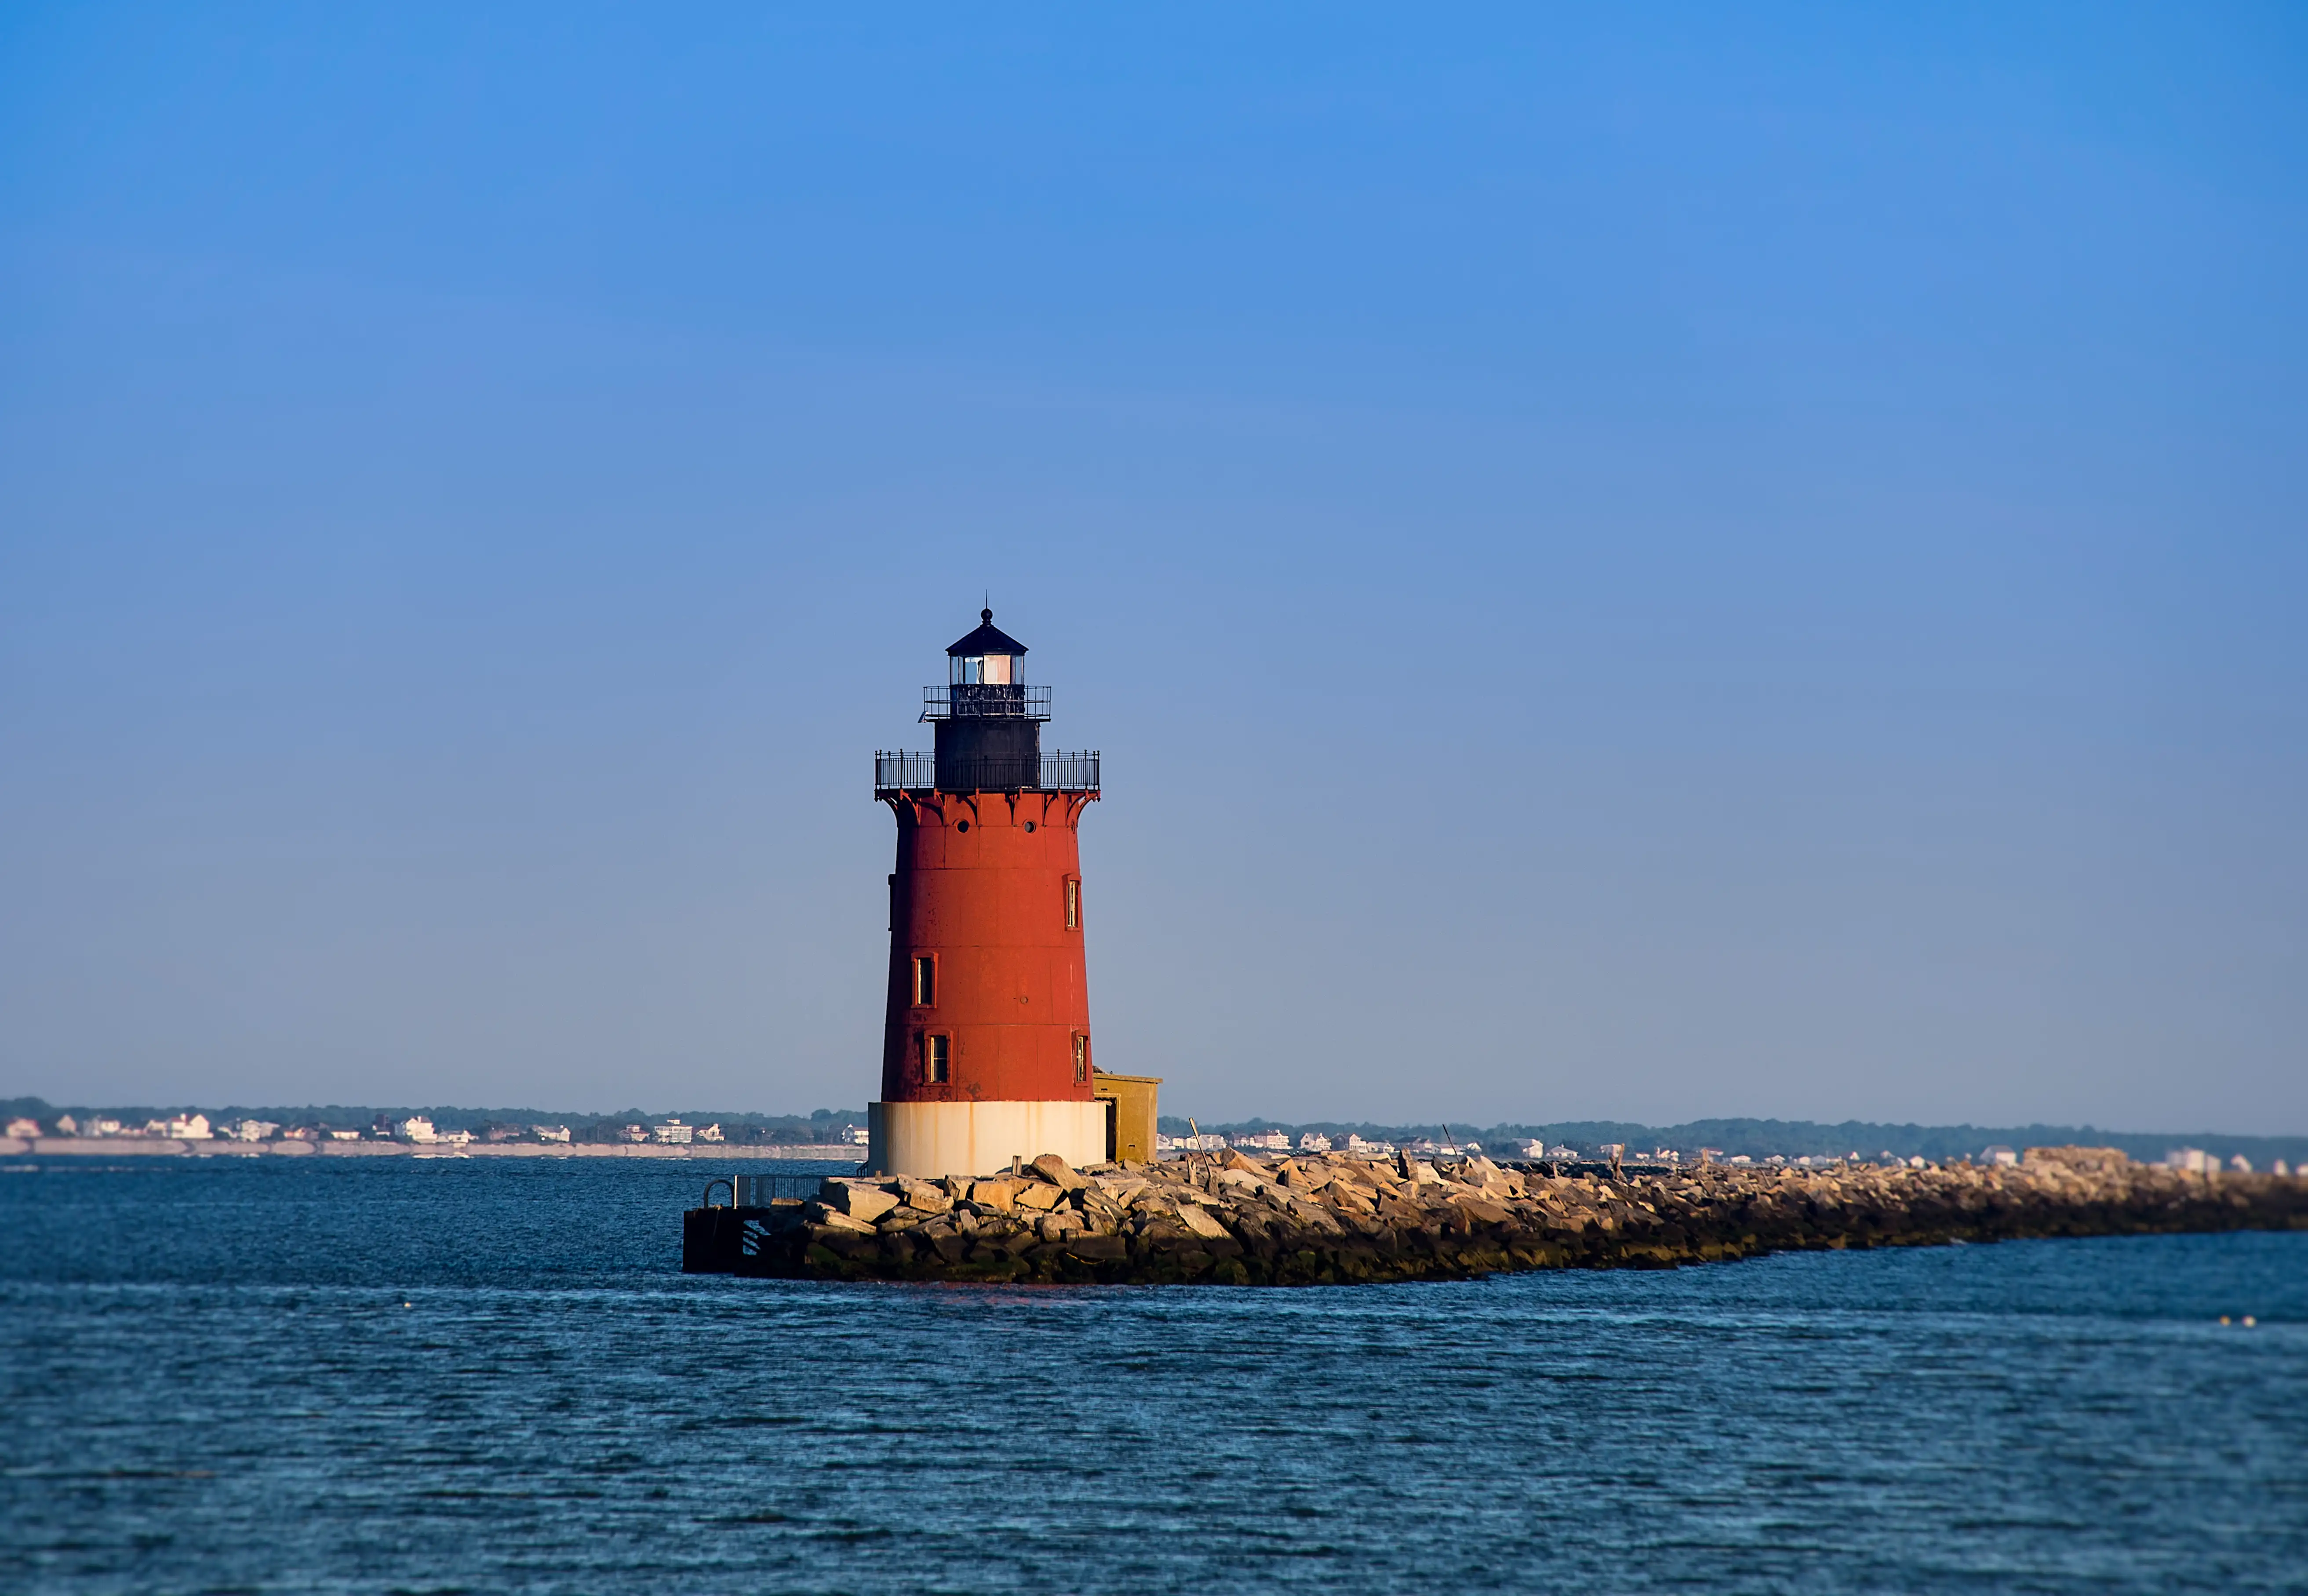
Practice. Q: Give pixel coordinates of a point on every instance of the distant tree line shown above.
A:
(1795, 1138)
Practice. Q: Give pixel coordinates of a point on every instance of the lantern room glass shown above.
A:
(984, 670)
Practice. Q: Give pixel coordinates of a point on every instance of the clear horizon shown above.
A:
(1644, 569)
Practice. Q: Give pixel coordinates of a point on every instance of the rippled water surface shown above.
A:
(464, 1375)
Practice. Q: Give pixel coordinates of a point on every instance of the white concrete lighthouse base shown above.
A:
(930, 1139)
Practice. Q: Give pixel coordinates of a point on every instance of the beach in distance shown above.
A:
(219, 1147)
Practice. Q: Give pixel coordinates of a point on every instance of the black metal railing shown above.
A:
(758, 1192)
(1046, 773)
(989, 700)
(1070, 772)
(904, 773)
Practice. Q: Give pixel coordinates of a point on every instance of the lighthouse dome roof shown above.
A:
(989, 639)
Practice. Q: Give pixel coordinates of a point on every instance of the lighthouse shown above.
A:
(986, 1052)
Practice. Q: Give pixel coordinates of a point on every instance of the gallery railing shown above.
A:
(994, 700)
(1046, 773)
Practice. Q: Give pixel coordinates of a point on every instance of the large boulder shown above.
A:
(864, 1201)
(834, 1219)
(1201, 1221)
(1057, 1171)
(928, 1196)
(999, 1195)
(1481, 1211)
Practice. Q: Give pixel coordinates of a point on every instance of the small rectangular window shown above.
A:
(1081, 1059)
(936, 1054)
(925, 982)
(1073, 905)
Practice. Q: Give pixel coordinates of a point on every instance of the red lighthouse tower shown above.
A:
(986, 1051)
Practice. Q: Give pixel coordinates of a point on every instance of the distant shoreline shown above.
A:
(172, 1148)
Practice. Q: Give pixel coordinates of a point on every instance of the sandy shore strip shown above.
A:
(165, 1146)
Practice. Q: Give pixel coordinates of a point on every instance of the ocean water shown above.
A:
(387, 1375)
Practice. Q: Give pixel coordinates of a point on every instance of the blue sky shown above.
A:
(1698, 563)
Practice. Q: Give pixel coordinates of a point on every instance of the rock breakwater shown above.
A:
(1236, 1219)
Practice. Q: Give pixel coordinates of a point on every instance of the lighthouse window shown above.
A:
(1082, 1058)
(925, 982)
(1073, 905)
(937, 1052)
